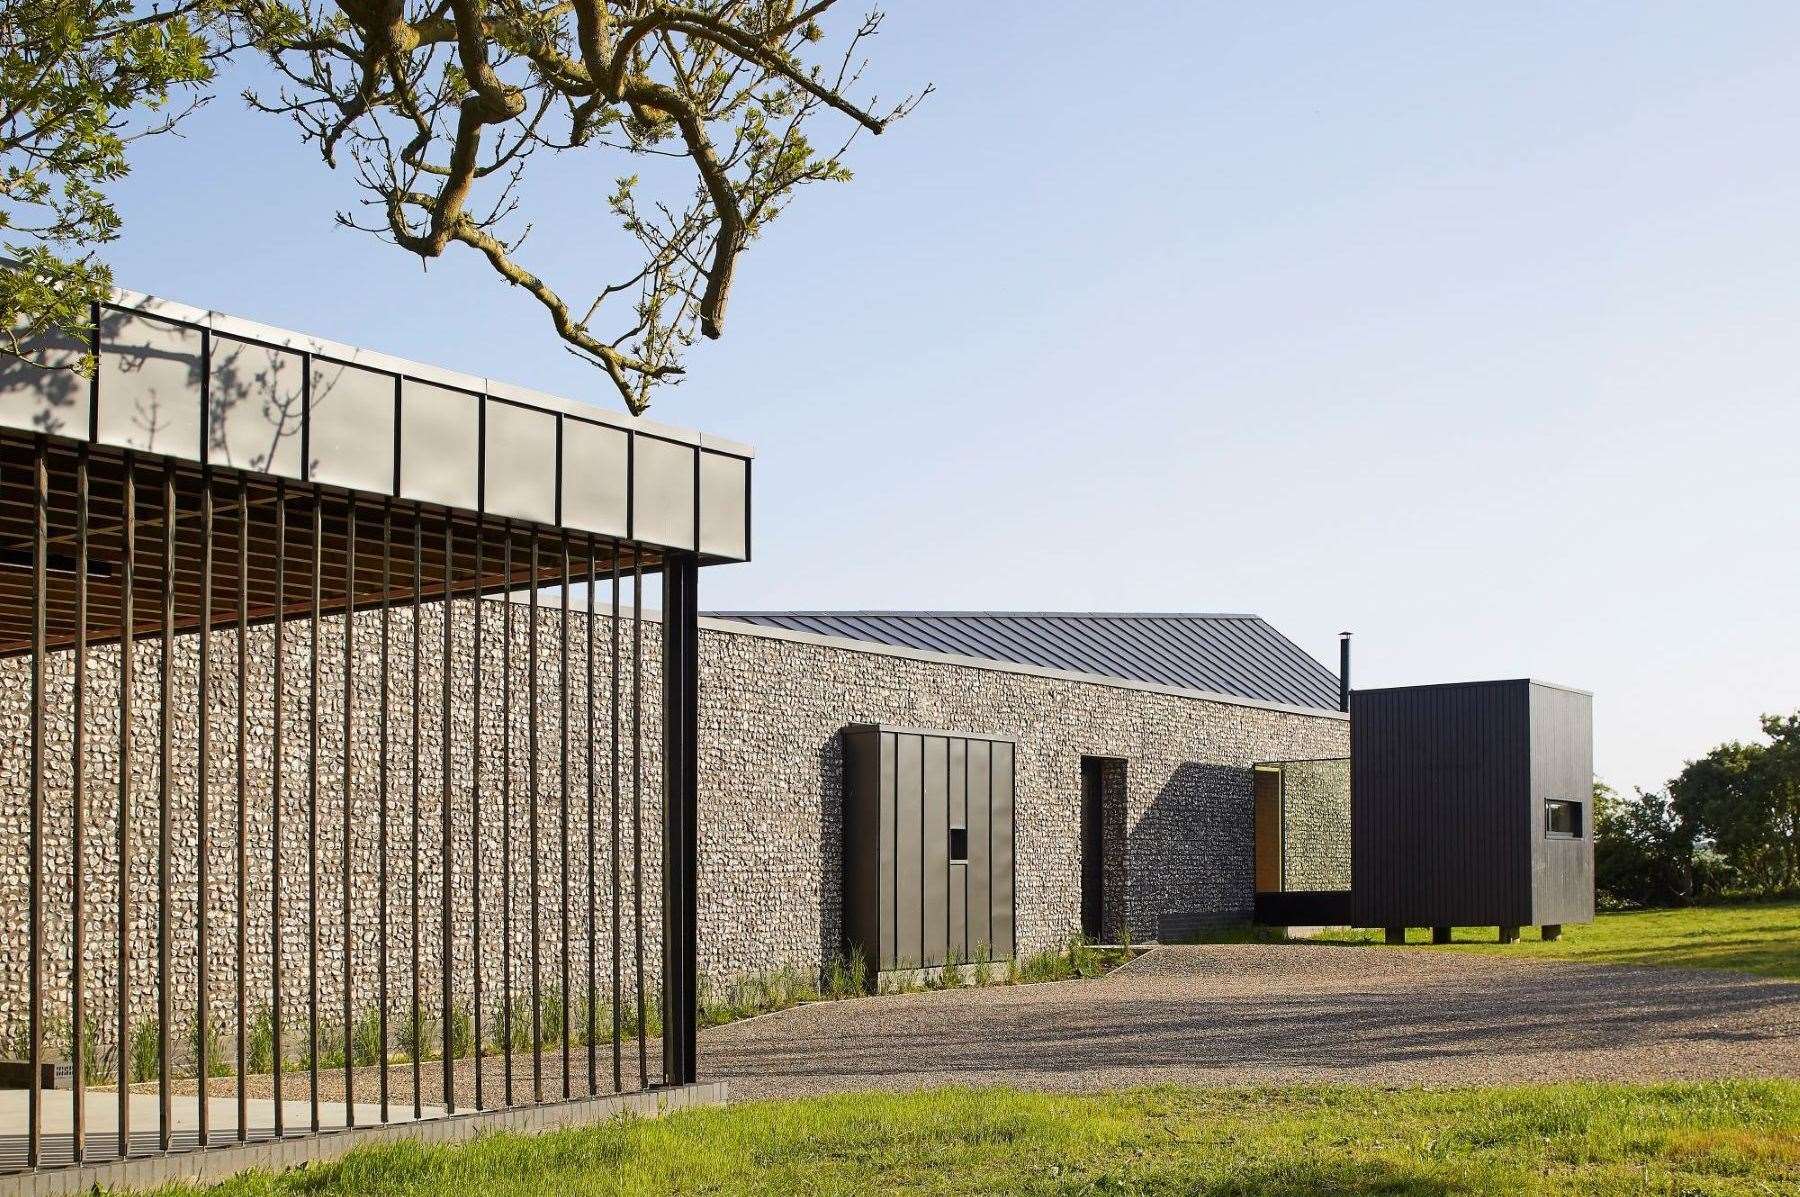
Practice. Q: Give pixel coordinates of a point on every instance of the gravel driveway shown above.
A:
(1277, 1014)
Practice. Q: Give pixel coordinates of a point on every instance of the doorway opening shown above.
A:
(1102, 847)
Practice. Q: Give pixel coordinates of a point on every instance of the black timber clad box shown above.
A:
(1451, 789)
(928, 846)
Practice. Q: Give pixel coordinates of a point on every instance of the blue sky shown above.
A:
(1471, 329)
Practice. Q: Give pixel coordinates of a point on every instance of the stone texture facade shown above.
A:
(1315, 812)
(772, 706)
(772, 777)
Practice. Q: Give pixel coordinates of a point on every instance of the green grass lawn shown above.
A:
(1724, 1138)
(1751, 937)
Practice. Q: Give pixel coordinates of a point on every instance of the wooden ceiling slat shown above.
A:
(106, 535)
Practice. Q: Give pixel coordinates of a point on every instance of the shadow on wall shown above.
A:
(1192, 853)
(42, 389)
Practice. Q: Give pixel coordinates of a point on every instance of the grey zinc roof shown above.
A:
(1239, 655)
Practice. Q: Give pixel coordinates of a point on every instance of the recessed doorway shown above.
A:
(1102, 847)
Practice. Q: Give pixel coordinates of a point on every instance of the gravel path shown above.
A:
(1280, 1014)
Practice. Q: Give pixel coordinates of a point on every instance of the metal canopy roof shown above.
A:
(195, 386)
(1238, 655)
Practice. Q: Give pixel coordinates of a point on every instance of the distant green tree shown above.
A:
(80, 80)
(1743, 800)
(1643, 853)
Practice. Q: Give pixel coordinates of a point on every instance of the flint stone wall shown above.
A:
(771, 802)
(1315, 806)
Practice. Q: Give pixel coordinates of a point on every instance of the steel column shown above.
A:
(681, 734)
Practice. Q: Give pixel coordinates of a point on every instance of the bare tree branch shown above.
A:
(440, 103)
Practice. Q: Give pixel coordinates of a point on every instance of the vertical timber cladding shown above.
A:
(1449, 785)
(928, 846)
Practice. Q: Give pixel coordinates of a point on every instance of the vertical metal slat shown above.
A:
(349, 952)
(203, 817)
(127, 625)
(476, 843)
(445, 671)
(40, 532)
(562, 772)
(243, 810)
(79, 1063)
(417, 1042)
(637, 810)
(531, 786)
(278, 1054)
(618, 957)
(506, 885)
(593, 939)
(165, 795)
(312, 807)
(381, 824)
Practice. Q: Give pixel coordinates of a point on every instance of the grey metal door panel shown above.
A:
(928, 845)
(890, 950)
(959, 783)
(980, 857)
(1001, 885)
(909, 843)
(959, 910)
(935, 901)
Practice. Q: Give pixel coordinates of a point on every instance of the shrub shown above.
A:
(146, 1052)
(218, 1059)
(366, 1047)
(261, 1048)
(846, 977)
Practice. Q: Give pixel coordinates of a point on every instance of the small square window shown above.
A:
(1562, 819)
(959, 844)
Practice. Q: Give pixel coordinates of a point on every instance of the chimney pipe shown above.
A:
(1344, 672)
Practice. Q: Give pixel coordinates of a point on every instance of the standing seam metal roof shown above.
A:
(1239, 655)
